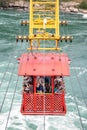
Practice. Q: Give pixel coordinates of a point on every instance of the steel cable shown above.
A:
(76, 102)
(7, 89)
(76, 105)
(80, 88)
(11, 104)
(8, 86)
(75, 98)
(10, 59)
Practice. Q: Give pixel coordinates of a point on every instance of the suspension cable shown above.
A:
(80, 88)
(76, 102)
(11, 104)
(77, 105)
(79, 81)
(7, 88)
(10, 59)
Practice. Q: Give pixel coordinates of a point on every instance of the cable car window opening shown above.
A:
(43, 84)
(59, 84)
(28, 85)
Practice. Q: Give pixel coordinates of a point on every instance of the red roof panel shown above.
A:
(44, 64)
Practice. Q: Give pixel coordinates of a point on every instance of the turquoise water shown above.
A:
(76, 84)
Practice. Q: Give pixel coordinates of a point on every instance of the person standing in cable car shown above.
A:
(40, 85)
(28, 88)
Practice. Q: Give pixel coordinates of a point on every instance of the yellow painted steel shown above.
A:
(51, 37)
(44, 25)
(33, 48)
(44, 16)
(51, 22)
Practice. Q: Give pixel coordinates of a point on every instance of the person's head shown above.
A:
(58, 86)
(30, 82)
(60, 83)
(24, 85)
(61, 76)
(29, 85)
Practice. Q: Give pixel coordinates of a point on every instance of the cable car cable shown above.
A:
(76, 103)
(7, 88)
(80, 118)
(79, 81)
(44, 75)
(80, 88)
(10, 59)
(11, 104)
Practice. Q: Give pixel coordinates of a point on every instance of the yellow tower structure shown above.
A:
(44, 24)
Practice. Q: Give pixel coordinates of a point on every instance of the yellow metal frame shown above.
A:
(41, 21)
(43, 18)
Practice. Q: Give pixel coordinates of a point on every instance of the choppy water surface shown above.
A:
(76, 84)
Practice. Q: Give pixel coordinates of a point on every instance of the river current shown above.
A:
(76, 84)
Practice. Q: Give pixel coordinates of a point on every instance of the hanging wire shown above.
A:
(7, 88)
(84, 77)
(11, 104)
(44, 75)
(76, 100)
(82, 93)
(10, 59)
(76, 105)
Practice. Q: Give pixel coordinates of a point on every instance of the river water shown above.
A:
(76, 84)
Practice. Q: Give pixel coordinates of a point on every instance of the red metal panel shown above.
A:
(44, 64)
(40, 104)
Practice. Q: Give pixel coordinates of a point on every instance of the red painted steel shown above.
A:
(42, 64)
(40, 104)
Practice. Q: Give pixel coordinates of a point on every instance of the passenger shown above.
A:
(24, 87)
(40, 85)
(58, 78)
(47, 87)
(39, 88)
(47, 79)
(59, 88)
(29, 88)
(27, 79)
(56, 89)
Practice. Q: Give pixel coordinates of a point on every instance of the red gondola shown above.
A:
(43, 64)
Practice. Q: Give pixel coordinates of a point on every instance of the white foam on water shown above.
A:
(77, 68)
(82, 72)
(2, 65)
(1, 74)
(20, 122)
(63, 122)
(85, 16)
